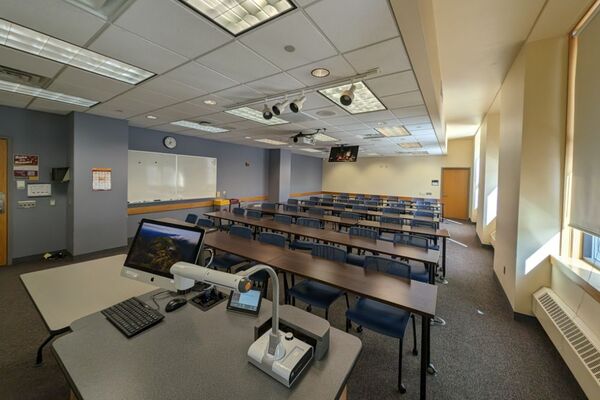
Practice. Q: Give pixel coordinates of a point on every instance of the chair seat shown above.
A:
(301, 245)
(387, 236)
(226, 261)
(379, 317)
(419, 273)
(355, 259)
(315, 293)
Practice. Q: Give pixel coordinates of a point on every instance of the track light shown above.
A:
(348, 95)
(297, 104)
(279, 107)
(267, 114)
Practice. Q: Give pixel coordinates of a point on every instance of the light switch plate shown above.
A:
(39, 190)
(26, 204)
(20, 184)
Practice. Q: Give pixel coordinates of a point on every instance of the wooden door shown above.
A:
(455, 192)
(3, 202)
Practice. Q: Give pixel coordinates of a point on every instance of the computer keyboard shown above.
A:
(132, 316)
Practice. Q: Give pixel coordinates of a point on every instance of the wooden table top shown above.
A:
(416, 297)
(331, 236)
(371, 213)
(442, 233)
(382, 204)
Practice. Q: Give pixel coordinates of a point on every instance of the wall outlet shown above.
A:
(20, 184)
(53, 202)
(26, 204)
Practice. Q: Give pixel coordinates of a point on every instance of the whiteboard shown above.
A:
(166, 177)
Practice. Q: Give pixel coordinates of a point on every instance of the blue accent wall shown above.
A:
(307, 174)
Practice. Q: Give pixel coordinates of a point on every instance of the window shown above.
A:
(591, 249)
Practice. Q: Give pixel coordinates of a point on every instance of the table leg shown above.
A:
(40, 356)
(425, 336)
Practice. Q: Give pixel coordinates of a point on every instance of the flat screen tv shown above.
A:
(343, 154)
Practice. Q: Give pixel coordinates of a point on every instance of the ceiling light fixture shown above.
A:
(45, 94)
(297, 104)
(410, 145)
(239, 16)
(362, 99)
(267, 114)
(270, 141)
(348, 95)
(320, 72)
(393, 131)
(280, 106)
(199, 127)
(210, 102)
(36, 43)
(256, 116)
(151, 117)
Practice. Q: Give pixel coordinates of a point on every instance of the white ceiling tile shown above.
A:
(375, 116)
(143, 122)
(172, 26)
(418, 127)
(239, 63)
(122, 107)
(389, 56)
(393, 84)
(238, 94)
(127, 47)
(276, 84)
(28, 63)
(327, 112)
(188, 109)
(173, 88)
(221, 118)
(169, 128)
(341, 121)
(14, 99)
(292, 29)
(366, 22)
(144, 95)
(85, 84)
(56, 18)
(338, 67)
(200, 77)
(403, 100)
(220, 105)
(315, 100)
(54, 107)
(416, 120)
(406, 112)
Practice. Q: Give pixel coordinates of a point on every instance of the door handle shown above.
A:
(2, 201)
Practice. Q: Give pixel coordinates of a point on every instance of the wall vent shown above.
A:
(25, 78)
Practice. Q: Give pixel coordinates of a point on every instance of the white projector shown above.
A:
(303, 140)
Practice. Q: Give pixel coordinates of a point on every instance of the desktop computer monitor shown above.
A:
(158, 245)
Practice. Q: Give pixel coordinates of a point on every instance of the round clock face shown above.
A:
(169, 142)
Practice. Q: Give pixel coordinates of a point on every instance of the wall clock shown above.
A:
(169, 142)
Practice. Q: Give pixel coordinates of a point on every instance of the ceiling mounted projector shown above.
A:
(297, 104)
(347, 96)
(279, 107)
(267, 114)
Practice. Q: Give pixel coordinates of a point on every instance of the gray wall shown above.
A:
(307, 174)
(40, 229)
(98, 218)
(279, 175)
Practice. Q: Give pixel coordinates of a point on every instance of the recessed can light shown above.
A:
(320, 72)
(289, 48)
(210, 102)
(151, 117)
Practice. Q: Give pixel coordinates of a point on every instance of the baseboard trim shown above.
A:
(37, 257)
(520, 317)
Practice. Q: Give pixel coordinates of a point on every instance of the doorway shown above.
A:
(3, 202)
(455, 192)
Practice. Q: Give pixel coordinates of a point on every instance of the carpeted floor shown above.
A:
(479, 355)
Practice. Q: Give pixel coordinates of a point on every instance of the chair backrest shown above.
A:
(239, 211)
(329, 252)
(359, 207)
(340, 206)
(392, 198)
(310, 203)
(388, 266)
(390, 220)
(290, 208)
(316, 211)
(350, 215)
(371, 202)
(205, 222)
(422, 213)
(360, 196)
(292, 201)
(391, 210)
(254, 213)
(284, 219)
(309, 222)
(191, 218)
(375, 197)
(272, 238)
(241, 231)
(353, 201)
(315, 198)
(268, 206)
(363, 232)
(411, 240)
(424, 224)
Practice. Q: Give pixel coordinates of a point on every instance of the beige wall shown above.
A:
(489, 136)
(400, 176)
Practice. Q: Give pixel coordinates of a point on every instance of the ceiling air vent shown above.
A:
(16, 76)
(373, 136)
(102, 8)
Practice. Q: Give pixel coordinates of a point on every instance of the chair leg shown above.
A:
(401, 387)
(265, 288)
(347, 301)
(415, 351)
(327, 313)
(348, 324)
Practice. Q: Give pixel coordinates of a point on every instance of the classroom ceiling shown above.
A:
(194, 61)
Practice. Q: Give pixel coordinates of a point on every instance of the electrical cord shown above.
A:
(155, 295)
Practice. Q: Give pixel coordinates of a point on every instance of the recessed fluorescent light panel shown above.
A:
(256, 116)
(393, 131)
(269, 141)
(46, 94)
(321, 137)
(410, 145)
(310, 150)
(36, 43)
(199, 127)
(239, 16)
(364, 100)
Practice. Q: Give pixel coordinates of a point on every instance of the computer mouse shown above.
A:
(175, 304)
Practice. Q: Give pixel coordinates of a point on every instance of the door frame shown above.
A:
(468, 191)
(6, 200)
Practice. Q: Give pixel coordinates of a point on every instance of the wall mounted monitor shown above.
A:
(343, 154)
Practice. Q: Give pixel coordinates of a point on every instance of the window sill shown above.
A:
(580, 272)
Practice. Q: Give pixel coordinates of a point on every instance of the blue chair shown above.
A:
(262, 277)
(357, 231)
(385, 219)
(205, 223)
(419, 273)
(310, 203)
(339, 206)
(382, 318)
(360, 196)
(316, 294)
(298, 244)
(290, 208)
(349, 215)
(359, 207)
(239, 211)
(253, 214)
(391, 210)
(191, 218)
(284, 219)
(423, 213)
(268, 206)
(292, 201)
(227, 261)
(424, 224)
(315, 198)
(353, 201)
(316, 211)
(372, 203)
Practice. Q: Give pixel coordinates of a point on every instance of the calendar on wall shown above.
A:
(101, 179)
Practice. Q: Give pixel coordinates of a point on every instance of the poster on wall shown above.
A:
(101, 179)
(26, 166)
